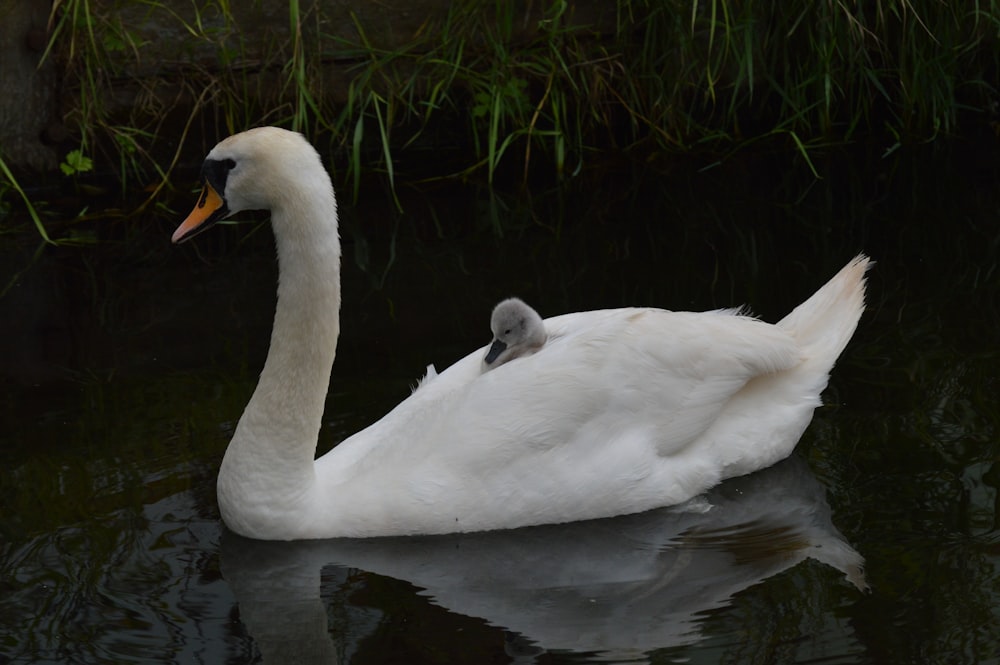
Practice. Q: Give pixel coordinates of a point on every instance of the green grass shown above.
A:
(482, 89)
(10, 182)
(674, 75)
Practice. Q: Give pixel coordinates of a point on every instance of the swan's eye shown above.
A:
(215, 172)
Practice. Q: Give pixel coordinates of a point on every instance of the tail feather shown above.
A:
(825, 322)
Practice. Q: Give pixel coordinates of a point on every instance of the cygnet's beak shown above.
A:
(496, 349)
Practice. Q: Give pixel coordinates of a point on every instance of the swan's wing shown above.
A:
(601, 420)
(696, 363)
(609, 374)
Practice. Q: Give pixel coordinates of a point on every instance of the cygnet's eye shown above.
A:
(229, 164)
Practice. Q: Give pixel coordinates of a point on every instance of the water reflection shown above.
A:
(619, 587)
(123, 368)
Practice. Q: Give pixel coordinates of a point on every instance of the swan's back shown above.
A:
(609, 419)
(624, 411)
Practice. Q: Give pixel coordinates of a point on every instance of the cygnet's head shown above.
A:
(517, 331)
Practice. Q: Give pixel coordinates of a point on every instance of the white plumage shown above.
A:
(621, 411)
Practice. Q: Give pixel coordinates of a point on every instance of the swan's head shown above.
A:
(260, 169)
(517, 331)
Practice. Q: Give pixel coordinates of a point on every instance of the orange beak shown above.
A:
(210, 209)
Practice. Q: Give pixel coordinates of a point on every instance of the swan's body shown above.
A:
(517, 331)
(626, 409)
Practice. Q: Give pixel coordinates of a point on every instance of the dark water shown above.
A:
(125, 368)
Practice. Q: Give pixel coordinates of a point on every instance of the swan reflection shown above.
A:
(620, 586)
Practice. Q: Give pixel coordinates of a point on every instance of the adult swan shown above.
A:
(622, 410)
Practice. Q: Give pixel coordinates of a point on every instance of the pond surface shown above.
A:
(125, 368)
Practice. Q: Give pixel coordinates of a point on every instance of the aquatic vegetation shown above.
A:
(556, 82)
(495, 90)
(9, 182)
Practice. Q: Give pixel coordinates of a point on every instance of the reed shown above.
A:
(548, 89)
(10, 182)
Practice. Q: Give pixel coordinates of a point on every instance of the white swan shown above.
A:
(517, 331)
(626, 409)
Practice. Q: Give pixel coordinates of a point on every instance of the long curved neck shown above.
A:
(274, 445)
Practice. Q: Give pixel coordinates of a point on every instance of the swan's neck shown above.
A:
(270, 459)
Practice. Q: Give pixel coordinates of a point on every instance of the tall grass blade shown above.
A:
(32, 212)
